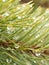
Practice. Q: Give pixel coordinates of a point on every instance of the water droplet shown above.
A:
(34, 61)
(24, 5)
(0, 30)
(37, 36)
(47, 11)
(10, 60)
(17, 46)
(43, 62)
(34, 17)
(18, 8)
(31, 5)
(38, 54)
(16, 37)
(6, 14)
(30, 34)
(3, 0)
(24, 28)
(14, 64)
(10, 29)
(47, 25)
(19, 17)
(41, 40)
(7, 60)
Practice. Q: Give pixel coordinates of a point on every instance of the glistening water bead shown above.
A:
(4, 0)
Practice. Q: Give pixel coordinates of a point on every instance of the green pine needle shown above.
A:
(24, 33)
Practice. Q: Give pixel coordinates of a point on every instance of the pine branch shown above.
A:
(24, 33)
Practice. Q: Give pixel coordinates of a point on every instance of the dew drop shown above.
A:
(14, 64)
(24, 5)
(16, 37)
(41, 40)
(3, 0)
(10, 29)
(6, 14)
(19, 17)
(38, 54)
(37, 36)
(43, 62)
(30, 34)
(47, 25)
(7, 60)
(10, 60)
(24, 29)
(0, 30)
(17, 47)
(34, 61)
(34, 18)
(47, 11)
(18, 8)
(31, 5)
